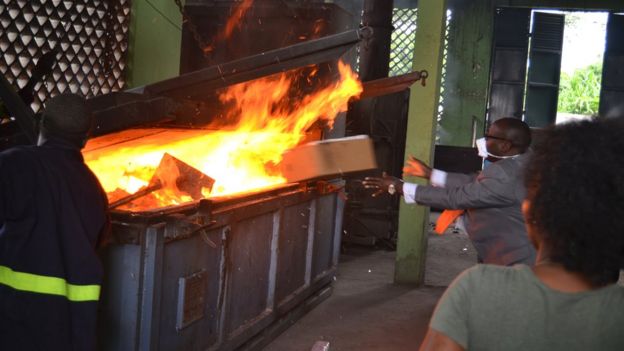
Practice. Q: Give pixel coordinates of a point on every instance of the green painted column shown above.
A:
(155, 41)
(421, 125)
(467, 72)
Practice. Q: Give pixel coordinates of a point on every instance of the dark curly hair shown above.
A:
(575, 184)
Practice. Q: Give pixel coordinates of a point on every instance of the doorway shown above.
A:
(547, 65)
(581, 65)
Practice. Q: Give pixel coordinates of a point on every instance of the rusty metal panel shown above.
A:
(292, 252)
(191, 259)
(191, 291)
(238, 258)
(247, 263)
(118, 312)
(324, 232)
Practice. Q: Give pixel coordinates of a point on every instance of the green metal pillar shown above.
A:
(155, 41)
(421, 125)
(467, 72)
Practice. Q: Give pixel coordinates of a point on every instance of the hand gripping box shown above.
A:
(329, 158)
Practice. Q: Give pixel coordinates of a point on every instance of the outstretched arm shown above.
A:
(458, 179)
(488, 190)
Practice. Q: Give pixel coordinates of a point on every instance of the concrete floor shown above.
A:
(366, 311)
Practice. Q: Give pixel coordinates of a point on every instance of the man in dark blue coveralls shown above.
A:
(52, 216)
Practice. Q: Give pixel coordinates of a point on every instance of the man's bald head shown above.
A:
(515, 131)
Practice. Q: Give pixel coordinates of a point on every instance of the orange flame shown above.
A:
(319, 25)
(235, 19)
(263, 122)
(233, 22)
(317, 30)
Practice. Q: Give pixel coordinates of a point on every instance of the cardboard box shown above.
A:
(329, 158)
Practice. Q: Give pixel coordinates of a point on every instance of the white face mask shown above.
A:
(483, 152)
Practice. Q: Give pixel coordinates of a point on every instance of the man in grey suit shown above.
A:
(491, 199)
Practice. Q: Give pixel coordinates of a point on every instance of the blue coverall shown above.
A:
(53, 211)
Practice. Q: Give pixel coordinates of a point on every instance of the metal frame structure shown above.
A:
(219, 274)
(159, 101)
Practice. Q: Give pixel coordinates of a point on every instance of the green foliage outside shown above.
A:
(579, 93)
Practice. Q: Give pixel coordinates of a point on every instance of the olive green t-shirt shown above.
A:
(508, 308)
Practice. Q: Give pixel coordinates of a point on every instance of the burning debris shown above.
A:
(240, 154)
(176, 177)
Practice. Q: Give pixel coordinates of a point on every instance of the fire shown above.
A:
(241, 152)
(233, 22)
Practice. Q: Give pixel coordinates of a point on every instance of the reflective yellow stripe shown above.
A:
(48, 285)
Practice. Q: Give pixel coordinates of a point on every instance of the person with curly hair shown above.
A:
(569, 300)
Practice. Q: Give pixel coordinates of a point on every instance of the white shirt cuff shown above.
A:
(438, 178)
(409, 192)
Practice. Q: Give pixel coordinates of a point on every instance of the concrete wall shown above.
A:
(155, 41)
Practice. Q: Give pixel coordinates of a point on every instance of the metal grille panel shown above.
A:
(91, 38)
(402, 49)
(402, 42)
(443, 81)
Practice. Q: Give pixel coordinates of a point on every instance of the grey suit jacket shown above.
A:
(492, 200)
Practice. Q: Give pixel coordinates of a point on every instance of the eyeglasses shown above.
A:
(487, 136)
